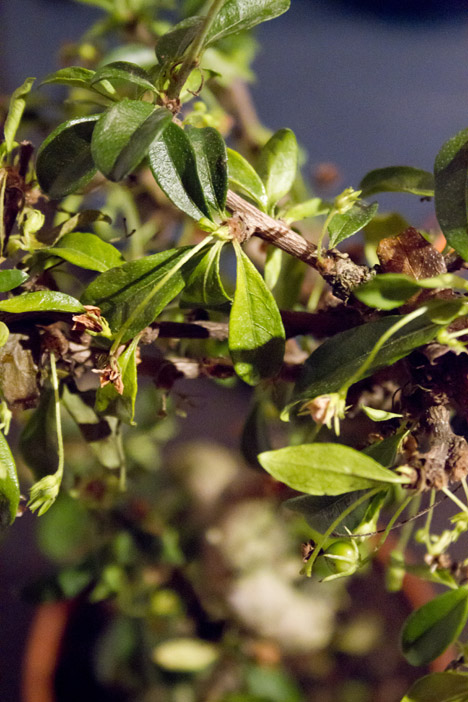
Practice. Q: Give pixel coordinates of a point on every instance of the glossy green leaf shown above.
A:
(433, 627)
(87, 251)
(342, 226)
(211, 158)
(119, 291)
(15, 112)
(123, 71)
(109, 401)
(336, 360)
(9, 486)
(243, 177)
(277, 165)
(74, 76)
(173, 164)
(439, 687)
(123, 135)
(398, 179)
(321, 511)
(391, 290)
(204, 287)
(451, 191)
(10, 279)
(41, 301)
(256, 333)
(172, 45)
(38, 440)
(64, 161)
(239, 15)
(309, 208)
(326, 469)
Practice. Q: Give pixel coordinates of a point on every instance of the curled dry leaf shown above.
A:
(410, 253)
(89, 321)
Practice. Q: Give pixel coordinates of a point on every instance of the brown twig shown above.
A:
(342, 274)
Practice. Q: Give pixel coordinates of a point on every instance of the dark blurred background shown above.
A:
(364, 84)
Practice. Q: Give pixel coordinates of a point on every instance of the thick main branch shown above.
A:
(342, 274)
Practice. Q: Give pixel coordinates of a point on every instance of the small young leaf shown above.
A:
(123, 71)
(10, 279)
(64, 160)
(329, 367)
(398, 179)
(310, 208)
(439, 687)
(87, 251)
(172, 162)
(15, 112)
(256, 333)
(211, 158)
(172, 45)
(123, 135)
(243, 177)
(326, 469)
(321, 512)
(342, 226)
(74, 76)
(41, 301)
(240, 15)
(451, 194)
(433, 627)
(4, 334)
(9, 487)
(119, 291)
(277, 165)
(109, 401)
(204, 287)
(78, 221)
(378, 415)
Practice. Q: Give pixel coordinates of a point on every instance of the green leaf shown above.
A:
(309, 208)
(398, 179)
(240, 15)
(4, 334)
(379, 415)
(123, 135)
(41, 301)
(123, 71)
(385, 451)
(336, 360)
(243, 177)
(451, 203)
(64, 161)
(9, 486)
(74, 76)
(433, 627)
(277, 165)
(211, 158)
(78, 221)
(326, 469)
(87, 251)
(15, 112)
(10, 279)
(204, 287)
(120, 290)
(109, 401)
(256, 333)
(439, 687)
(321, 512)
(172, 45)
(342, 226)
(38, 440)
(391, 290)
(172, 162)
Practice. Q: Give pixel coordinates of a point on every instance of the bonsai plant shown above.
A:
(139, 249)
